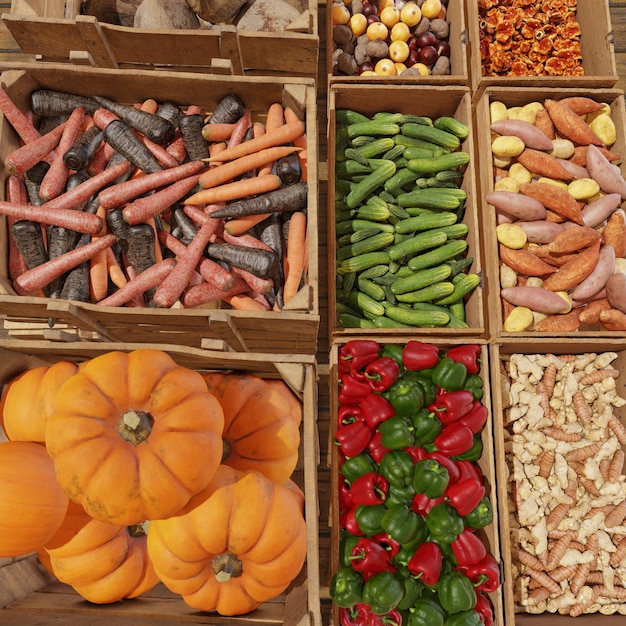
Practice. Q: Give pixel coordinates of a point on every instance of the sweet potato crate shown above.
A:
(513, 96)
(418, 100)
(597, 52)
(500, 352)
(27, 317)
(55, 30)
(29, 595)
(459, 64)
(491, 533)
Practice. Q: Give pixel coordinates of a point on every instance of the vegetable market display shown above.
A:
(412, 499)
(564, 443)
(560, 228)
(137, 209)
(402, 255)
(141, 457)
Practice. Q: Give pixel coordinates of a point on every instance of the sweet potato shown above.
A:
(556, 260)
(532, 136)
(556, 199)
(559, 323)
(581, 105)
(614, 233)
(536, 298)
(544, 164)
(574, 271)
(613, 320)
(604, 173)
(570, 124)
(525, 262)
(517, 206)
(616, 291)
(589, 314)
(599, 277)
(540, 231)
(580, 155)
(573, 239)
(598, 210)
(543, 122)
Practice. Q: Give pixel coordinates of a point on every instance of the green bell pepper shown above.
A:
(368, 517)
(426, 426)
(383, 591)
(474, 453)
(444, 523)
(481, 515)
(397, 467)
(412, 592)
(406, 396)
(407, 550)
(465, 618)
(399, 495)
(456, 592)
(449, 374)
(426, 612)
(474, 383)
(356, 466)
(394, 351)
(401, 524)
(424, 378)
(397, 433)
(346, 543)
(430, 478)
(346, 587)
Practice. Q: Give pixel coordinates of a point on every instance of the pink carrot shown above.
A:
(101, 159)
(42, 275)
(55, 180)
(177, 148)
(206, 292)
(73, 220)
(119, 194)
(164, 158)
(143, 208)
(22, 159)
(103, 117)
(177, 280)
(241, 128)
(246, 240)
(140, 283)
(22, 125)
(260, 285)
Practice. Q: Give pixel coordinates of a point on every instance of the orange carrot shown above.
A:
(149, 105)
(98, 275)
(275, 117)
(272, 138)
(241, 225)
(228, 171)
(244, 303)
(301, 142)
(23, 158)
(116, 273)
(22, 125)
(296, 247)
(258, 129)
(236, 190)
(217, 132)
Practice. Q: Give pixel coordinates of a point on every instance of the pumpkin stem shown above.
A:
(138, 530)
(226, 449)
(226, 566)
(134, 426)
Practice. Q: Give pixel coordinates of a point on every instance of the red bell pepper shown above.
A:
(389, 543)
(454, 439)
(370, 488)
(485, 575)
(349, 413)
(416, 453)
(448, 463)
(392, 618)
(451, 406)
(468, 355)
(476, 418)
(468, 548)
(353, 438)
(382, 373)
(357, 615)
(465, 495)
(356, 354)
(345, 497)
(426, 563)
(422, 504)
(484, 609)
(370, 557)
(376, 449)
(376, 409)
(352, 389)
(418, 355)
(348, 521)
(467, 469)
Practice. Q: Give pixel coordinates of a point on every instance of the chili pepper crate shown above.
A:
(56, 31)
(529, 524)
(29, 595)
(421, 101)
(520, 97)
(26, 317)
(459, 63)
(490, 534)
(597, 49)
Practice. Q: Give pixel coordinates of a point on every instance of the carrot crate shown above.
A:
(56, 31)
(31, 595)
(254, 331)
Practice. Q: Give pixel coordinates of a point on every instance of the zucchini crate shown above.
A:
(29, 595)
(55, 31)
(418, 100)
(514, 97)
(27, 317)
(521, 434)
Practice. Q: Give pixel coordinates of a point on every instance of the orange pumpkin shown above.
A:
(261, 423)
(28, 400)
(236, 545)
(32, 504)
(103, 562)
(134, 436)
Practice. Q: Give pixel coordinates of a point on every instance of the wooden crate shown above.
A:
(513, 96)
(30, 596)
(499, 352)
(54, 30)
(597, 51)
(491, 533)
(459, 63)
(418, 100)
(251, 331)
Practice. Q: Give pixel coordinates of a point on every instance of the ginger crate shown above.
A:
(523, 475)
(459, 64)
(491, 533)
(513, 97)
(418, 100)
(596, 45)
(27, 317)
(29, 595)
(55, 31)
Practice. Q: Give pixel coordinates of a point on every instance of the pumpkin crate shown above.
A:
(433, 102)
(490, 533)
(537, 475)
(518, 44)
(30, 595)
(254, 331)
(517, 98)
(55, 31)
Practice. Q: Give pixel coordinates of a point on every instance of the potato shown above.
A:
(498, 111)
(562, 148)
(583, 188)
(604, 127)
(518, 320)
(511, 235)
(508, 276)
(507, 183)
(165, 15)
(507, 146)
(520, 173)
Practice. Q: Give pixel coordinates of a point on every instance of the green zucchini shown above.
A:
(452, 125)
(376, 129)
(426, 221)
(410, 247)
(462, 288)
(432, 165)
(370, 184)
(429, 133)
(449, 250)
(415, 317)
(420, 279)
(427, 294)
